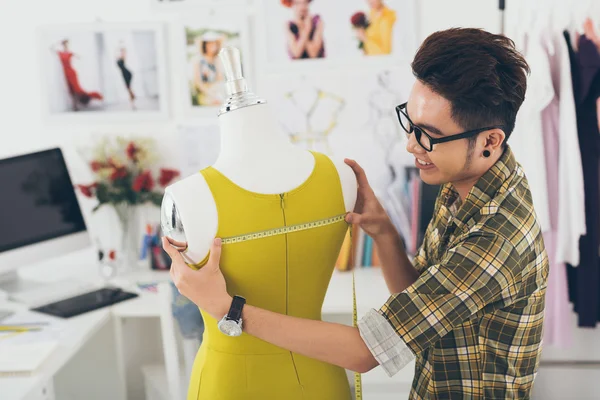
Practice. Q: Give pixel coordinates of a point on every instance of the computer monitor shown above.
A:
(39, 212)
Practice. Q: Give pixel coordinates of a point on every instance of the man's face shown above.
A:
(448, 162)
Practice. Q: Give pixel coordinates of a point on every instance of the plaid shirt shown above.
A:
(473, 319)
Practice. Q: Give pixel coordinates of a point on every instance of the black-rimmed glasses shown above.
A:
(426, 141)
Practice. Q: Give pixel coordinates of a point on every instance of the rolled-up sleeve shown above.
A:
(480, 272)
(387, 347)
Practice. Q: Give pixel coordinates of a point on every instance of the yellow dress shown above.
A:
(379, 33)
(288, 274)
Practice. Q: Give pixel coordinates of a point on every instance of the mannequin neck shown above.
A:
(249, 133)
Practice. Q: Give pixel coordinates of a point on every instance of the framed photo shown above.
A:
(306, 31)
(103, 72)
(202, 74)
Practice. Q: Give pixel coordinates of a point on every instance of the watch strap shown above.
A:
(235, 311)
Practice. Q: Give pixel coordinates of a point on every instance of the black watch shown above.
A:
(231, 324)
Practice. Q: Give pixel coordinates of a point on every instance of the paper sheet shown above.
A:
(52, 329)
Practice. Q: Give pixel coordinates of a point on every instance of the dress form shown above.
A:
(255, 155)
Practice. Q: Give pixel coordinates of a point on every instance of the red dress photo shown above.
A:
(73, 81)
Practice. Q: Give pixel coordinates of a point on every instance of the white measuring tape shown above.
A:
(302, 227)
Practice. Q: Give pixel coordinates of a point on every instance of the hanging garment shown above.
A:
(565, 191)
(584, 281)
(527, 140)
(571, 223)
(285, 273)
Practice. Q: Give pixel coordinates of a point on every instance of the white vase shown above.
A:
(128, 254)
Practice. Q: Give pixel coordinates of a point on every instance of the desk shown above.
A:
(371, 293)
(39, 386)
(78, 330)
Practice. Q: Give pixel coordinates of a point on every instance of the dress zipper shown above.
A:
(282, 204)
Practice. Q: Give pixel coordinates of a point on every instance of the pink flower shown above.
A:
(359, 20)
(167, 175)
(97, 165)
(118, 173)
(143, 182)
(132, 151)
(87, 190)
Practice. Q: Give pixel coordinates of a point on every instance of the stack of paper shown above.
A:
(24, 359)
(24, 350)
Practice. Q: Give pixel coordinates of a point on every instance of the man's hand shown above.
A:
(368, 211)
(205, 287)
(398, 271)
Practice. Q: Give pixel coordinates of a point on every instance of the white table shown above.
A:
(77, 330)
(40, 385)
(371, 293)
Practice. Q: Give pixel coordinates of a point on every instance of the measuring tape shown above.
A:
(357, 376)
(283, 230)
(303, 227)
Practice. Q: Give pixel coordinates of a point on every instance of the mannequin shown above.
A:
(261, 183)
(251, 144)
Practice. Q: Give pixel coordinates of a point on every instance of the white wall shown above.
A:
(435, 15)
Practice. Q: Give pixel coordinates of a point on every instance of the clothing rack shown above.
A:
(559, 363)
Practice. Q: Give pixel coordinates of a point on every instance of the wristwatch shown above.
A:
(231, 324)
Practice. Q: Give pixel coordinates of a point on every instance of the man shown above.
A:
(470, 306)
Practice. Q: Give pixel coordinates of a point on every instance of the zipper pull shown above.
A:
(282, 203)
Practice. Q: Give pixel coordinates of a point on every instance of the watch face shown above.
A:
(230, 328)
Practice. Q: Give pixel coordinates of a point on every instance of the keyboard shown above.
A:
(86, 302)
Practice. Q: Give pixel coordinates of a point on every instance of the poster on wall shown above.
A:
(338, 31)
(103, 72)
(203, 76)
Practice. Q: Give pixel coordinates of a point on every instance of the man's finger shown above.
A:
(215, 254)
(353, 218)
(361, 177)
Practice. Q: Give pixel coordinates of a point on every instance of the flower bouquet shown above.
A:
(124, 171)
(359, 20)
